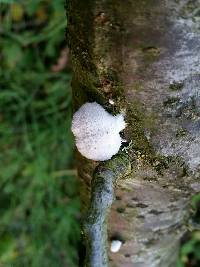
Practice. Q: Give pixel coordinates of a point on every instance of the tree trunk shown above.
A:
(145, 56)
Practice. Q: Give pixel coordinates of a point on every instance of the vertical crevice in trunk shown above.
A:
(144, 55)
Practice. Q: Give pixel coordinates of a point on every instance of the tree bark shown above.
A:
(145, 56)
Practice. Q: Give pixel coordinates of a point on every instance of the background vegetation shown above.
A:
(38, 191)
(39, 207)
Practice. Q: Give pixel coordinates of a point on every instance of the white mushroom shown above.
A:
(97, 132)
(115, 246)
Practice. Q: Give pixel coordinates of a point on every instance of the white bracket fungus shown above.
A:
(97, 132)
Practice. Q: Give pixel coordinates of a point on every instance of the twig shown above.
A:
(102, 196)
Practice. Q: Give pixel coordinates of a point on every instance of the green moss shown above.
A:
(142, 151)
(138, 86)
(136, 131)
(171, 101)
(176, 86)
(181, 132)
(151, 53)
(189, 8)
(120, 210)
(161, 163)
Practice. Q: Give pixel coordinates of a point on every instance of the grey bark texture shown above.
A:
(145, 56)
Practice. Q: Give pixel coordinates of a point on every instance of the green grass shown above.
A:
(39, 206)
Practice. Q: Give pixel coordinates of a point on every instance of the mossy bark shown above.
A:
(144, 55)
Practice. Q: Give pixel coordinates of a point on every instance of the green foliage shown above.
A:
(190, 250)
(6, 1)
(38, 202)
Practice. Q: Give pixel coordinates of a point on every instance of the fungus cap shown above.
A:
(97, 132)
(115, 246)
